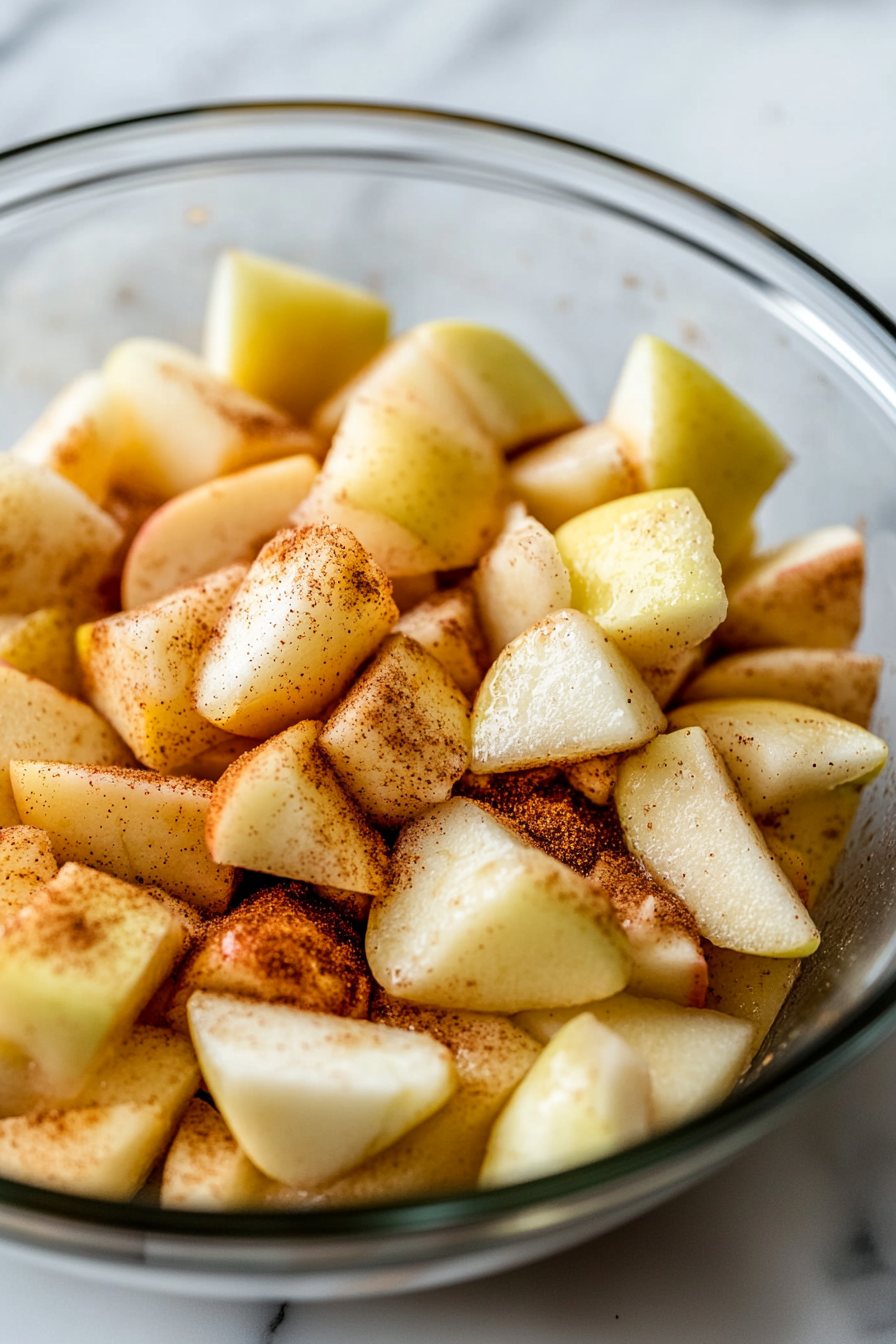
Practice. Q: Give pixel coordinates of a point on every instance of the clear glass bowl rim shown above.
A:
(750, 1112)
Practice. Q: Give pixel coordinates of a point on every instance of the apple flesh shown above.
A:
(206, 1169)
(72, 437)
(43, 645)
(582, 469)
(447, 626)
(750, 988)
(26, 863)
(815, 828)
(839, 681)
(518, 582)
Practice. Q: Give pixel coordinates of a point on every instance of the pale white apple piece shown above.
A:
(281, 809)
(644, 568)
(401, 737)
(839, 681)
(816, 828)
(215, 524)
(137, 825)
(807, 592)
(518, 582)
(72, 437)
(750, 988)
(104, 1146)
(560, 692)
(312, 607)
(39, 723)
(595, 778)
(563, 478)
(206, 1169)
(43, 645)
(26, 863)
(685, 428)
(447, 625)
(286, 334)
(695, 1056)
(76, 966)
(776, 752)
(138, 669)
(664, 680)
(211, 763)
(684, 818)
(586, 1096)
(307, 1095)
(477, 919)
(55, 543)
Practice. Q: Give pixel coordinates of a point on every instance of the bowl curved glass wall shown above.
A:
(113, 232)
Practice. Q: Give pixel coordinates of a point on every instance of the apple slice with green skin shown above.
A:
(685, 428)
(561, 479)
(560, 692)
(312, 607)
(206, 1169)
(695, 1056)
(477, 919)
(138, 669)
(519, 581)
(814, 827)
(27, 862)
(645, 569)
(839, 681)
(447, 626)
(105, 1145)
(777, 752)
(288, 335)
(39, 723)
(807, 592)
(585, 1097)
(280, 809)
(72, 437)
(308, 1096)
(43, 645)
(175, 424)
(136, 825)
(750, 988)
(684, 818)
(216, 524)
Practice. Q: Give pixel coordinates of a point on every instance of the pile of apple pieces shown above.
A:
(413, 703)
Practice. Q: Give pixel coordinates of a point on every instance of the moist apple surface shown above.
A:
(405, 784)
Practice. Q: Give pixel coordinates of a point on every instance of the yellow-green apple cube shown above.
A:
(750, 988)
(176, 424)
(280, 809)
(308, 1096)
(807, 592)
(685, 820)
(839, 681)
(39, 723)
(586, 1096)
(312, 607)
(695, 1056)
(447, 626)
(476, 918)
(644, 568)
(206, 1169)
(27, 862)
(563, 478)
(562, 691)
(288, 335)
(685, 428)
(43, 645)
(776, 751)
(72, 437)
(401, 737)
(218, 523)
(139, 666)
(518, 581)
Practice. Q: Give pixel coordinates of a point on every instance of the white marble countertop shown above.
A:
(787, 107)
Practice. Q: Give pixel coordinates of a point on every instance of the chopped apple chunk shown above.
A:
(519, 581)
(308, 1096)
(595, 778)
(136, 825)
(72, 437)
(561, 479)
(211, 763)
(206, 1169)
(26, 863)
(750, 988)
(815, 828)
(839, 681)
(42, 644)
(280, 809)
(447, 626)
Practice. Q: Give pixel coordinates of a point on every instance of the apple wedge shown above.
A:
(815, 828)
(684, 428)
(136, 825)
(401, 737)
(216, 524)
(175, 424)
(43, 645)
(477, 919)
(560, 692)
(561, 479)
(308, 1096)
(206, 1169)
(805, 593)
(27, 862)
(39, 723)
(839, 681)
(138, 669)
(280, 809)
(312, 607)
(585, 1097)
(645, 569)
(72, 437)
(684, 818)
(776, 752)
(518, 582)
(288, 335)
(695, 1056)
(750, 988)
(447, 626)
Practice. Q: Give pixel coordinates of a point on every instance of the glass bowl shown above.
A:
(112, 232)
